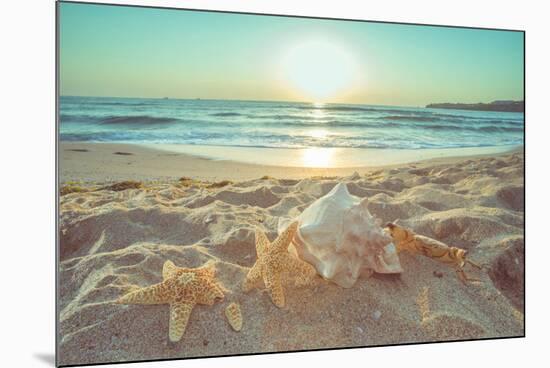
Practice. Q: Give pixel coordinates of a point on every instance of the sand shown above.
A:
(111, 162)
(110, 240)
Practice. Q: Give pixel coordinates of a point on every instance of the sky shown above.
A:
(143, 52)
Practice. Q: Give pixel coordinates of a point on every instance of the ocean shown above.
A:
(282, 124)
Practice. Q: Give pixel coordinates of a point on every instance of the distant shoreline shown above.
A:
(498, 106)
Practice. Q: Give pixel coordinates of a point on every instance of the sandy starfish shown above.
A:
(273, 261)
(182, 288)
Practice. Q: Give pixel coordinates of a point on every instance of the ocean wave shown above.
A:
(494, 129)
(278, 124)
(289, 142)
(274, 121)
(77, 118)
(485, 119)
(484, 128)
(226, 114)
(130, 104)
(350, 108)
(137, 120)
(505, 121)
(282, 117)
(410, 118)
(80, 101)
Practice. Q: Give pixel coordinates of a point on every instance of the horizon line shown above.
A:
(287, 101)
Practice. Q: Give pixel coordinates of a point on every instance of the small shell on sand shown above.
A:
(234, 316)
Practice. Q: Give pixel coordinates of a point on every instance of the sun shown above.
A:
(319, 69)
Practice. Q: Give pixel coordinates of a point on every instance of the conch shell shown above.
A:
(341, 239)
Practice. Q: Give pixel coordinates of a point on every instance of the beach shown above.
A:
(107, 162)
(193, 209)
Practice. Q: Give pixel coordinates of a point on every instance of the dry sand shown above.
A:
(110, 240)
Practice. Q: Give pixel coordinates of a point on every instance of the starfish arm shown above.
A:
(168, 270)
(179, 316)
(212, 292)
(155, 294)
(253, 276)
(208, 270)
(302, 272)
(273, 284)
(283, 241)
(217, 291)
(262, 242)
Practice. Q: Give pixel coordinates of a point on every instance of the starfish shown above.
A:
(182, 289)
(273, 261)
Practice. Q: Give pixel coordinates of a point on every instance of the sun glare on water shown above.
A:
(318, 133)
(319, 70)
